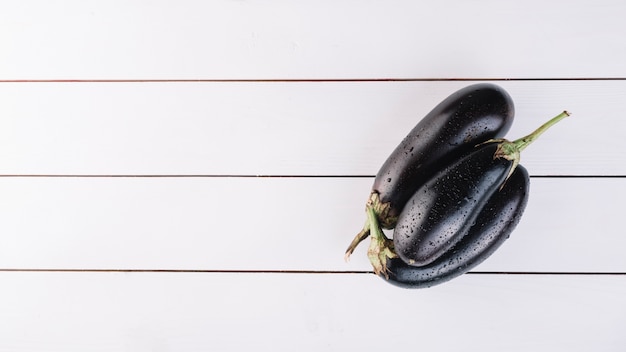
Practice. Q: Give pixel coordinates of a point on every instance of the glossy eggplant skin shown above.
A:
(497, 219)
(442, 211)
(468, 117)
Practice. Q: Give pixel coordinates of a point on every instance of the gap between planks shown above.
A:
(311, 80)
(207, 271)
(245, 176)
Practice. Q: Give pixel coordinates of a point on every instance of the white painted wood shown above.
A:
(331, 128)
(196, 39)
(570, 225)
(140, 122)
(286, 312)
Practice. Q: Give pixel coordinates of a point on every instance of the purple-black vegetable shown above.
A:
(493, 226)
(452, 222)
(442, 211)
(470, 116)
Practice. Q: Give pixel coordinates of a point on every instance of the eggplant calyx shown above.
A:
(382, 211)
(381, 248)
(512, 150)
(380, 217)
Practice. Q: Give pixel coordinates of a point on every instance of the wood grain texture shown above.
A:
(122, 124)
(283, 312)
(273, 224)
(304, 128)
(195, 39)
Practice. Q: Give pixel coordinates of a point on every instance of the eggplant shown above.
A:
(493, 226)
(443, 212)
(470, 116)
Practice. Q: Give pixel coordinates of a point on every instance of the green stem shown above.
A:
(511, 150)
(374, 225)
(381, 248)
(379, 218)
(357, 239)
(523, 142)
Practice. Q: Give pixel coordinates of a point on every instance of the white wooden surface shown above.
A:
(132, 132)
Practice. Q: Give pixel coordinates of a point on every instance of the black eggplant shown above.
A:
(444, 210)
(493, 226)
(468, 117)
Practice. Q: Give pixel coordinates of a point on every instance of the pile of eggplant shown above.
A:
(452, 191)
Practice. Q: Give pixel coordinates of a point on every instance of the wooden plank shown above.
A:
(284, 312)
(214, 88)
(323, 128)
(570, 225)
(311, 39)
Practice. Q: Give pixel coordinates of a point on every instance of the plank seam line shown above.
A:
(206, 271)
(312, 80)
(245, 176)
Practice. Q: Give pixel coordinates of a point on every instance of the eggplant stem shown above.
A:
(512, 150)
(357, 239)
(381, 211)
(522, 143)
(381, 248)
